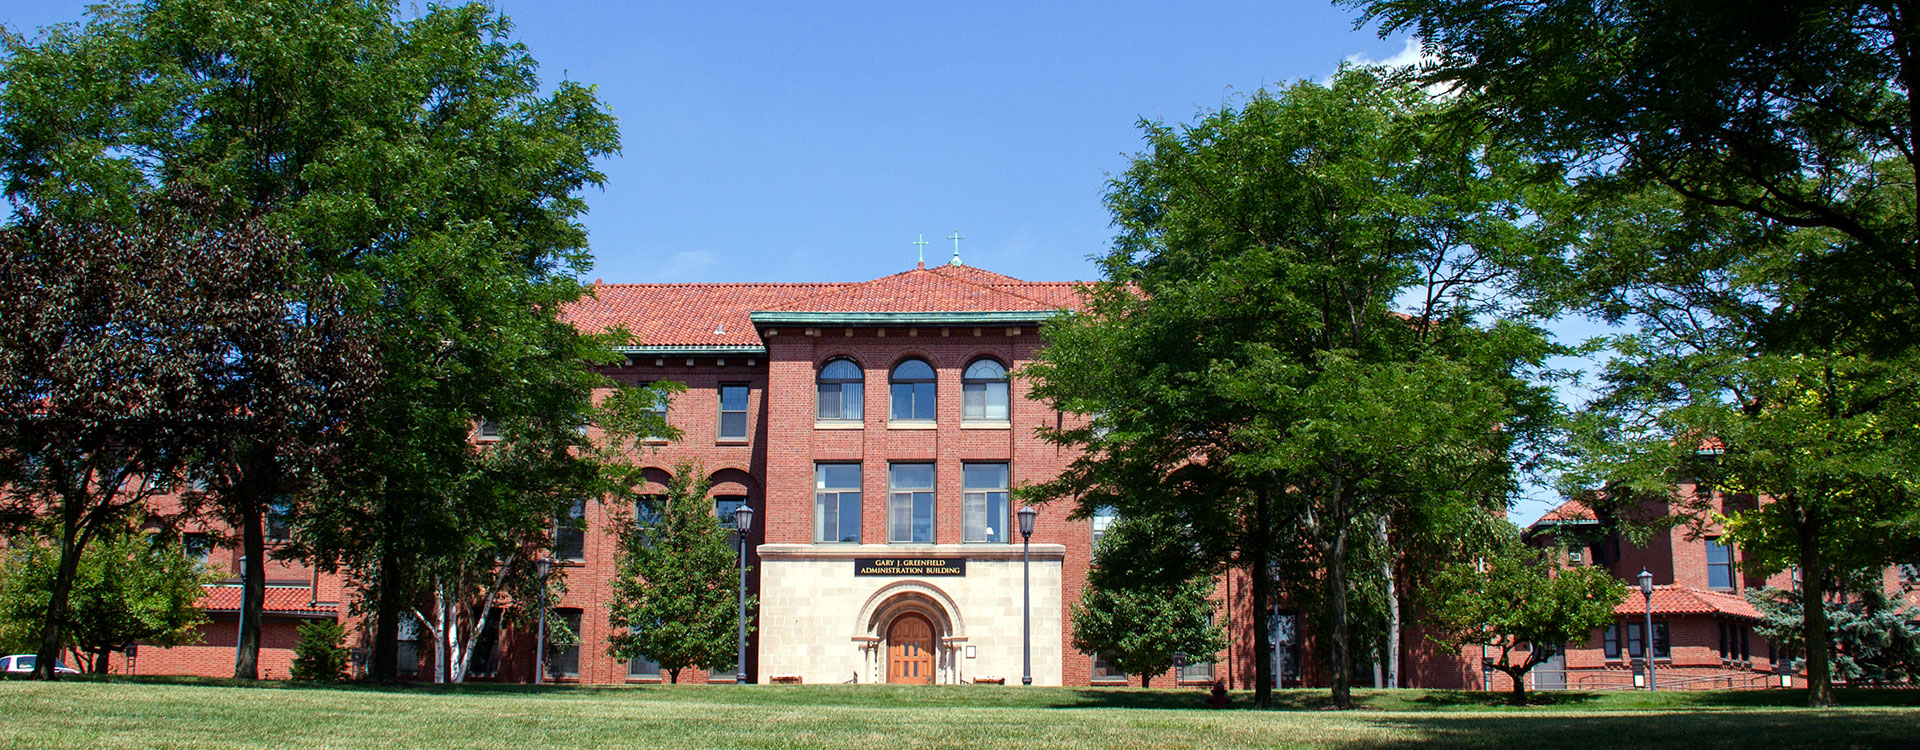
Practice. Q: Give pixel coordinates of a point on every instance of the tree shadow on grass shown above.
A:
(1495, 699)
(1682, 730)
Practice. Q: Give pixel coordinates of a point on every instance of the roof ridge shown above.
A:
(789, 304)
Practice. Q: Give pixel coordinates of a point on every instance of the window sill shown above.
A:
(918, 424)
(731, 441)
(655, 441)
(1111, 682)
(981, 424)
(822, 425)
(925, 543)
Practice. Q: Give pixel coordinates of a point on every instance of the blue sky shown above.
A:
(816, 141)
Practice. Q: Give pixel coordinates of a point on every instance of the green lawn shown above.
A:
(185, 713)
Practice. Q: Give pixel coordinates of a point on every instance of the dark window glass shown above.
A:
(983, 392)
(840, 391)
(985, 503)
(1719, 565)
(836, 503)
(489, 429)
(1610, 641)
(642, 667)
(570, 533)
(910, 504)
(1103, 518)
(279, 520)
(733, 412)
(1105, 672)
(1634, 643)
(1661, 648)
(485, 659)
(564, 660)
(724, 506)
(911, 391)
(198, 545)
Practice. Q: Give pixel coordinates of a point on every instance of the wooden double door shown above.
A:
(910, 650)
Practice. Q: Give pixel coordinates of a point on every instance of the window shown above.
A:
(659, 412)
(485, 659)
(985, 503)
(1662, 649)
(408, 659)
(733, 412)
(1103, 518)
(724, 506)
(648, 512)
(836, 503)
(1733, 642)
(197, 545)
(840, 390)
(912, 392)
(983, 392)
(489, 429)
(1633, 643)
(564, 660)
(1103, 671)
(641, 667)
(1719, 564)
(570, 534)
(1196, 671)
(279, 521)
(1610, 641)
(910, 504)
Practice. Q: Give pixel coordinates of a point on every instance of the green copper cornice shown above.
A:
(901, 318)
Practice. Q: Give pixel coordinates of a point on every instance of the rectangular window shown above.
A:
(489, 429)
(1634, 643)
(641, 667)
(733, 411)
(648, 512)
(1662, 649)
(570, 534)
(564, 661)
(1610, 641)
(659, 412)
(1196, 671)
(910, 504)
(279, 521)
(1103, 518)
(1745, 653)
(485, 659)
(1725, 651)
(198, 545)
(836, 503)
(1105, 672)
(986, 503)
(408, 636)
(1719, 564)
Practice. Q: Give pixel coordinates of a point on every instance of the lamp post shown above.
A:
(1646, 590)
(742, 523)
(1026, 594)
(541, 567)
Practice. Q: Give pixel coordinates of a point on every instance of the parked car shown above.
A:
(19, 665)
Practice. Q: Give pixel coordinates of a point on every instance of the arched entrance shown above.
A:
(910, 650)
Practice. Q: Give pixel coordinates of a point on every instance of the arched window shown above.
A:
(983, 391)
(912, 391)
(840, 387)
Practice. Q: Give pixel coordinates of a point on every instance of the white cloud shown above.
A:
(1408, 55)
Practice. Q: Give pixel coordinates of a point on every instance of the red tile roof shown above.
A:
(280, 599)
(710, 315)
(1685, 600)
(1571, 511)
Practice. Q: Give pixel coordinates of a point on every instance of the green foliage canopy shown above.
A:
(674, 595)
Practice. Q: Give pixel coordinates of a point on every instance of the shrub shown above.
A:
(319, 655)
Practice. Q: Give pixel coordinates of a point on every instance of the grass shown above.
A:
(218, 713)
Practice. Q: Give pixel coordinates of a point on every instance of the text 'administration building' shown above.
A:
(875, 430)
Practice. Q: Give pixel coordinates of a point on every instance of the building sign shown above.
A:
(910, 566)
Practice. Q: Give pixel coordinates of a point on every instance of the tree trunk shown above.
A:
(1813, 609)
(1146, 681)
(70, 546)
(1393, 608)
(1519, 687)
(673, 677)
(385, 664)
(1339, 660)
(1263, 644)
(440, 635)
(253, 586)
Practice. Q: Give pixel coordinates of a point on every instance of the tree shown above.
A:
(1760, 162)
(1874, 636)
(673, 589)
(421, 167)
(1516, 598)
(130, 587)
(319, 654)
(1138, 620)
(107, 328)
(1247, 374)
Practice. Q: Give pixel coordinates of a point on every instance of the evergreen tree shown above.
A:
(674, 588)
(320, 654)
(1875, 638)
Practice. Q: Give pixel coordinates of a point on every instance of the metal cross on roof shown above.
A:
(921, 246)
(956, 237)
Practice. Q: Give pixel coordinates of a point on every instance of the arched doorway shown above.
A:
(910, 650)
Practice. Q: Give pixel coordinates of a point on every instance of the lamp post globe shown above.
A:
(1027, 514)
(742, 524)
(1646, 591)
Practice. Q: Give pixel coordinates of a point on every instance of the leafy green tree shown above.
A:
(1249, 377)
(1518, 599)
(674, 596)
(107, 330)
(421, 167)
(1140, 619)
(1874, 636)
(130, 587)
(320, 654)
(1748, 172)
